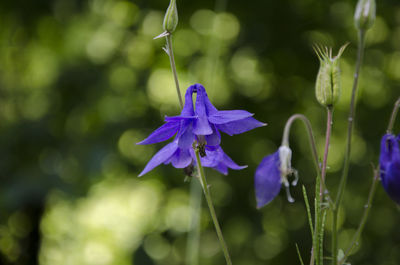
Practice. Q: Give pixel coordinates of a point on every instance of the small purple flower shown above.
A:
(203, 124)
(389, 161)
(271, 174)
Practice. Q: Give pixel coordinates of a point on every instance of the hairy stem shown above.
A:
(316, 249)
(343, 180)
(207, 194)
(173, 67)
(326, 150)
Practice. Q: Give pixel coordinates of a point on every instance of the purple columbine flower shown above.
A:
(271, 174)
(389, 162)
(202, 124)
(206, 120)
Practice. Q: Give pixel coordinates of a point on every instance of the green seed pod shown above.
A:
(364, 16)
(171, 17)
(328, 84)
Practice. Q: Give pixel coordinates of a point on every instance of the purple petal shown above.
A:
(267, 181)
(213, 139)
(202, 126)
(210, 109)
(389, 161)
(162, 133)
(221, 168)
(181, 158)
(225, 116)
(186, 138)
(188, 107)
(240, 126)
(178, 118)
(230, 163)
(213, 157)
(164, 154)
(391, 181)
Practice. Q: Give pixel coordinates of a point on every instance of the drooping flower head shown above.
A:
(389, 162)
(272, 172)
(200, 125)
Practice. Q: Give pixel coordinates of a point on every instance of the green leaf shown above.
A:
(298, 253)
(308, 211)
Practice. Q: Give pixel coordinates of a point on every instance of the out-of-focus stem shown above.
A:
(364, 218)
(192, 253)
(203, 181)
(393, 116)
(343, 180)
(173, 67)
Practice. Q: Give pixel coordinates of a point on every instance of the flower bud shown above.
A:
(328, 84)
(285, 157)
(364, 16)
(171, 17)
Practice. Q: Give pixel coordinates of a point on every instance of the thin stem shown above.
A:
(192, 254)
(173, 67)
(327, 142)
(393, 116)
(343, 180)
(316, 250)
(203, 181)
(285, 139)
(313, 146)
(367, 208)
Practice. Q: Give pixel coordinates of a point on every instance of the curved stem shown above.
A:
(393, 116)
(316, 249)
(313, 146)
(285, 138)
(207, 194)
(173, 67)
(367, 208)
(343, 180)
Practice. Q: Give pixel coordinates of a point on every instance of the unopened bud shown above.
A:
(285, 157)
(328, 84)
(171, 17)
(364, 17)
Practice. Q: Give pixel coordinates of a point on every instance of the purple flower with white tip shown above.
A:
(389, 162)
(271, 174)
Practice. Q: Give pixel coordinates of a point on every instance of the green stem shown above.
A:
(364, 218)
(316, 249)
(327, 142)
(343, 180)
(393, 116)
(371, 194)
(307, 124)
(173, 67)
(192, 253)
(207, 194)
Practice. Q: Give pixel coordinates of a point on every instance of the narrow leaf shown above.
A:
(298, 253)
(308, 211)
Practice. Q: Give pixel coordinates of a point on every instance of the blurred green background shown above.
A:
(82, 81)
